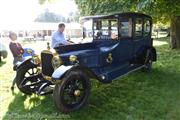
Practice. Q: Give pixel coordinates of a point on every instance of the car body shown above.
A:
(3, 51)
(113, 46)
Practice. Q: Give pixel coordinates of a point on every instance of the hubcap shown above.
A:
(74, 92)
(77, 93)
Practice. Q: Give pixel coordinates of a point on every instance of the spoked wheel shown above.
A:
(27, 78)
(73, 92)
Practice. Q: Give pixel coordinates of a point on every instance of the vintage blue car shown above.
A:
(112, 46)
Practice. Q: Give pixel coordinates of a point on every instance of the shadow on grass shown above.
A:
(30, 108)
(2, 63)
(137, 96)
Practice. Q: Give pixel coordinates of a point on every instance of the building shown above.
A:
(41, 30)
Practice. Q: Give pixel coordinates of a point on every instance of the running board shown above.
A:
(138, 68)
(122, 72)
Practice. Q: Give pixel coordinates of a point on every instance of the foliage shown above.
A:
(159, 9)
(138, 96)
(43, 1)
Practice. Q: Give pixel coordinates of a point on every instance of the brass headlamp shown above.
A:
(35, 59)
(56, 61)
(73, 58)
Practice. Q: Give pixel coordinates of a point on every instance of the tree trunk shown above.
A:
(175, 32)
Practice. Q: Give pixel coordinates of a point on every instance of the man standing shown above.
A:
(58, 37)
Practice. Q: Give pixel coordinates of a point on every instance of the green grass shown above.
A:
(138, 96)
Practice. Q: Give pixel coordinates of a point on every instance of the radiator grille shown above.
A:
(47, 68)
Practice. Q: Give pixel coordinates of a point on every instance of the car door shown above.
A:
(125, 47)
(138, 34)
(147, 28)
(119, 49)
(142, 34)
(102, 35)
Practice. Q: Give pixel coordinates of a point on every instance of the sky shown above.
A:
(25, 11)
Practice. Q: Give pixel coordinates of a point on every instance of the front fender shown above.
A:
(26, 57)
(18, 64)
(60, 71)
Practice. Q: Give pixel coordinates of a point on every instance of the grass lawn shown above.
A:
(138, 96)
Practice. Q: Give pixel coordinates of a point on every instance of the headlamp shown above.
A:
(56, 61)
(36, 60)
(73, 58)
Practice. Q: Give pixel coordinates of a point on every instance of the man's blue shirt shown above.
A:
(58, 38)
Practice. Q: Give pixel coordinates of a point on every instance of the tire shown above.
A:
(22, 77)
(70, 86)
(148, 61)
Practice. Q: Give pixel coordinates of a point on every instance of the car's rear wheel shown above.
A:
(27, 76)
(148, 61)
(73, 92)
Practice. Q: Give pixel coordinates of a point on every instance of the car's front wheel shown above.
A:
(73, 92)
(27, 76)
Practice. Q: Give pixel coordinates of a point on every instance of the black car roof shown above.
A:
(116, 15)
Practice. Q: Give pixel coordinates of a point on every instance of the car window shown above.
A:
(114, 29)
(147, 27)
(138, 27)
(97, 29)
(125, 27)
(106, 29)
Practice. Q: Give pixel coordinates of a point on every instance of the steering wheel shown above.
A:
(70, 41)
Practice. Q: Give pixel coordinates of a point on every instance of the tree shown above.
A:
(49, 17)
(43, 1)
(160, 10)
(72, 17)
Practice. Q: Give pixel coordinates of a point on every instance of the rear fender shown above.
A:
(152, 49)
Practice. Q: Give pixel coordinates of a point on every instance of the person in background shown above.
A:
(58, 37)
(16, 50)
